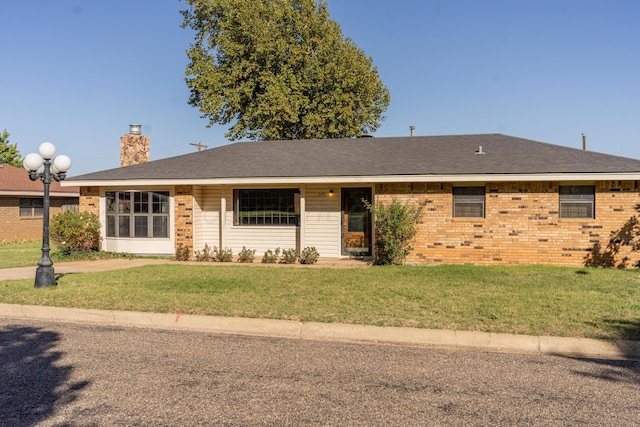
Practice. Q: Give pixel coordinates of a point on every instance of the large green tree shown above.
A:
(9, 153)
(280, 69)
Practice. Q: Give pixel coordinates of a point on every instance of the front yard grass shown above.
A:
(20, 254)
(532, 300)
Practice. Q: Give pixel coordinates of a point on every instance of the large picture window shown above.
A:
(468, 202)
(31, 207)
(577, 201)
(140, 214)
(265, 207)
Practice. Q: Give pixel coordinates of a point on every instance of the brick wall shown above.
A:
(90, 200)
(184, 216)
(15, 227)
(521, 225)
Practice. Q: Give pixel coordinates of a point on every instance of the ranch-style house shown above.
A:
(490, 198)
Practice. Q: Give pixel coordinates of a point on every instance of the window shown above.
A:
(468, 202)
(265, 207)
(140, 214)
(31, 207)
(577, 201)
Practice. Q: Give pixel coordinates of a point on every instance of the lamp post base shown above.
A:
(45, 276)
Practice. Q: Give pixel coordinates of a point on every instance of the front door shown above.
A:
(356, 222)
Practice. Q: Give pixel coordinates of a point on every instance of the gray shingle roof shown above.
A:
(418, 155)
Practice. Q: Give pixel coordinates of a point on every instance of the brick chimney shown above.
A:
(134, 147)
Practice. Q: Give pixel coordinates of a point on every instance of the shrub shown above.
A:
(395, 227)
(289, 256)
(75, 232)
(223, 255)
(206, 255)
(271, 257)
(246, 255)
(182, 253)
(309, 255)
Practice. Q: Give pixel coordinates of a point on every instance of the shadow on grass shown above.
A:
(627, 329)
(32, 382)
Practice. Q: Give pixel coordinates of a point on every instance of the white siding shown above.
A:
(139, 246)
(209, 218)
(259, 238)
(197, 217)
(323, 221)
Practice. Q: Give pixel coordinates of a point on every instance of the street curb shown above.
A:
(580, 347)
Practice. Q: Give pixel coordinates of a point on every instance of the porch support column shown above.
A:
(303, 195)
(223, 218)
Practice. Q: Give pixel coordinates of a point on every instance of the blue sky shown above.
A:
(77, 73)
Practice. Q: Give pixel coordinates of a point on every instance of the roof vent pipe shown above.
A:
(584, 142)
(412, 129)
(479, 150)
(134, 129)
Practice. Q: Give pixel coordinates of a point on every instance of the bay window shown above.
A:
(139, 214)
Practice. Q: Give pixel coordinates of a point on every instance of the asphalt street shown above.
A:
(66, 374)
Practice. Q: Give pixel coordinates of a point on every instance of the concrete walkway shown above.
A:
(581, 347)
(72, 267)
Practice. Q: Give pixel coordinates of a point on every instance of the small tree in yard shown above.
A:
(75, 232)
(395, 227)
(9, 153)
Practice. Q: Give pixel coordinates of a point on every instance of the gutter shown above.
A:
(620, 176)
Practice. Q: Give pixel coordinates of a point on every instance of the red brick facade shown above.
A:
(16, 227)
(15, 185)
(521, 224)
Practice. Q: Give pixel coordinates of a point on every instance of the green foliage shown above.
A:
(182, 253)
(75, 232)
(9, 153)
(205, 255)
(271, 257)
(280, 69)
(289, 256)
(246, 255)
(89, 256)
(395, 227)
(309, 255)
(208, 254)
(223, 255)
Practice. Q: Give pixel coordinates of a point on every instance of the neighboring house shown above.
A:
(492, 199)
(21, 203)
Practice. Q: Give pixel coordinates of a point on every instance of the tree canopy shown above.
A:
(280, 69)
(9, 153)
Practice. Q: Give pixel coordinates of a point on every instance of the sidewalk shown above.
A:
(72, 267)
(580, 347)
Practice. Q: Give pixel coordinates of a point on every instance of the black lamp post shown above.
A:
(54, 169)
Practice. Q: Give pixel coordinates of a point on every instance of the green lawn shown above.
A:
(533, 300)
(22, 254)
